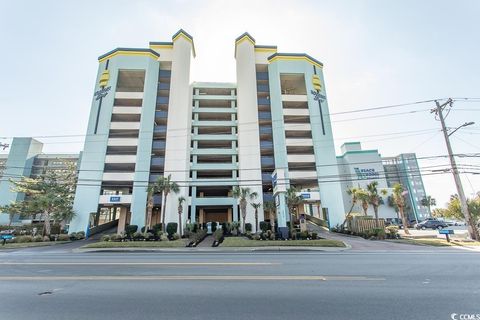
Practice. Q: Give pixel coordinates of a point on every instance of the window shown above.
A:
(293, 84)
(130, 80)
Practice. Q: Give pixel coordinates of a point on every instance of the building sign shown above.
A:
(365, 174)
(102, 93)
(115, 199)
(305, 195)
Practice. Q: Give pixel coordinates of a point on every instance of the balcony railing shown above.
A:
(162, 100)
(157, 161)
(265, 130)
(266, 144)
(264, 115)
(267, 161)
(158, 144)
(161, 114)
(165, 74)
(263, 102)
(163, 86)
(160, 129)
(262, 88)
(262, 75)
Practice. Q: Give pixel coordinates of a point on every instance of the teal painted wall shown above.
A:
(19, 163)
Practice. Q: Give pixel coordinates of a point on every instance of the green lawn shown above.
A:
(137, 244)
(438, 242)
(31, 244)
(243, 242)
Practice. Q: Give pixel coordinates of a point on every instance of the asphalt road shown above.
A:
(56, 283)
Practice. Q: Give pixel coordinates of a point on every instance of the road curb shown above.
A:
(217, 249)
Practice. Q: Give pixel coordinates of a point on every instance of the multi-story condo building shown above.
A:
(148, 119)
(360, 167)
(404, 169)
(26, 159)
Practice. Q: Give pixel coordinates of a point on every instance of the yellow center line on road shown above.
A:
(140, 263)
(191, 277)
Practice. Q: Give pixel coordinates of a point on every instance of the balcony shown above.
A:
(214, 123)
(165, 73)
(162, 100)
(262, 115)
(128, 95)
(160, 129)
(297, 127)
(161, 114)
(157, 162)
(122, 142)
(295, 112)
(163, 86)
(214, 137)
(127, 110)
(158, 144)
(294, 97)
(263, 101)
(127, 125)
(122, 158)
(266, 144)
(118, 176)
(302, 174)
(267, 161)
(263, 88)
(299, 142)
(301, 158)
(262, 75)
(265, 130)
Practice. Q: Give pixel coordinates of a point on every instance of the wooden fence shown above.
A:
(363, 224)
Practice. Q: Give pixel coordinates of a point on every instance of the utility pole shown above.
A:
(472, 229)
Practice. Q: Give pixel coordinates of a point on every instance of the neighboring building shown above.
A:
(404, 169)
(26, 159)
(360, 167)
(148, 119)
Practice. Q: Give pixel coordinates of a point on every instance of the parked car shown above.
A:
(431, 224)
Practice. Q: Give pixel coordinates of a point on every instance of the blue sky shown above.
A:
(375, 53)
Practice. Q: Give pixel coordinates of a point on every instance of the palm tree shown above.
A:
(293, 200)
(399, 199)
(375, 198)
(243, 194)
(363, 197)
(270, 207)
(181, 200)
(352, 192)
(256, 206)
(165, 186)
(152, 189)
(428, 202)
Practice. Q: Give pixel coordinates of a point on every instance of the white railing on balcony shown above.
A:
(299, 142)
(122, 158)
(127, 110)
(125, 125)
(122, 142)
(118, 176)
(129, 95)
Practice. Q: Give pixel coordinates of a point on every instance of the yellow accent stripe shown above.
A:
(129, 53)
(294, 58)
(245, 37)
(161, 46)
(265, 50)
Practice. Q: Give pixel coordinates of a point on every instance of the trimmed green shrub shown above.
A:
(46, 239)
(105, 237)
(130, 230)
(163, 237)
(138, 236)
(171, 228)
(149, 236)
(156, 228)
(248, 227)
(175, 236)
(63, 237)
(214, 226)
(23, 239)
(80, 235)
(38, 238)
(73, 236)
(265, 226)
(116, 237)
(314, 235)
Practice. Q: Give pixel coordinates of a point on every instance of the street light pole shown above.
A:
(472, 229)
